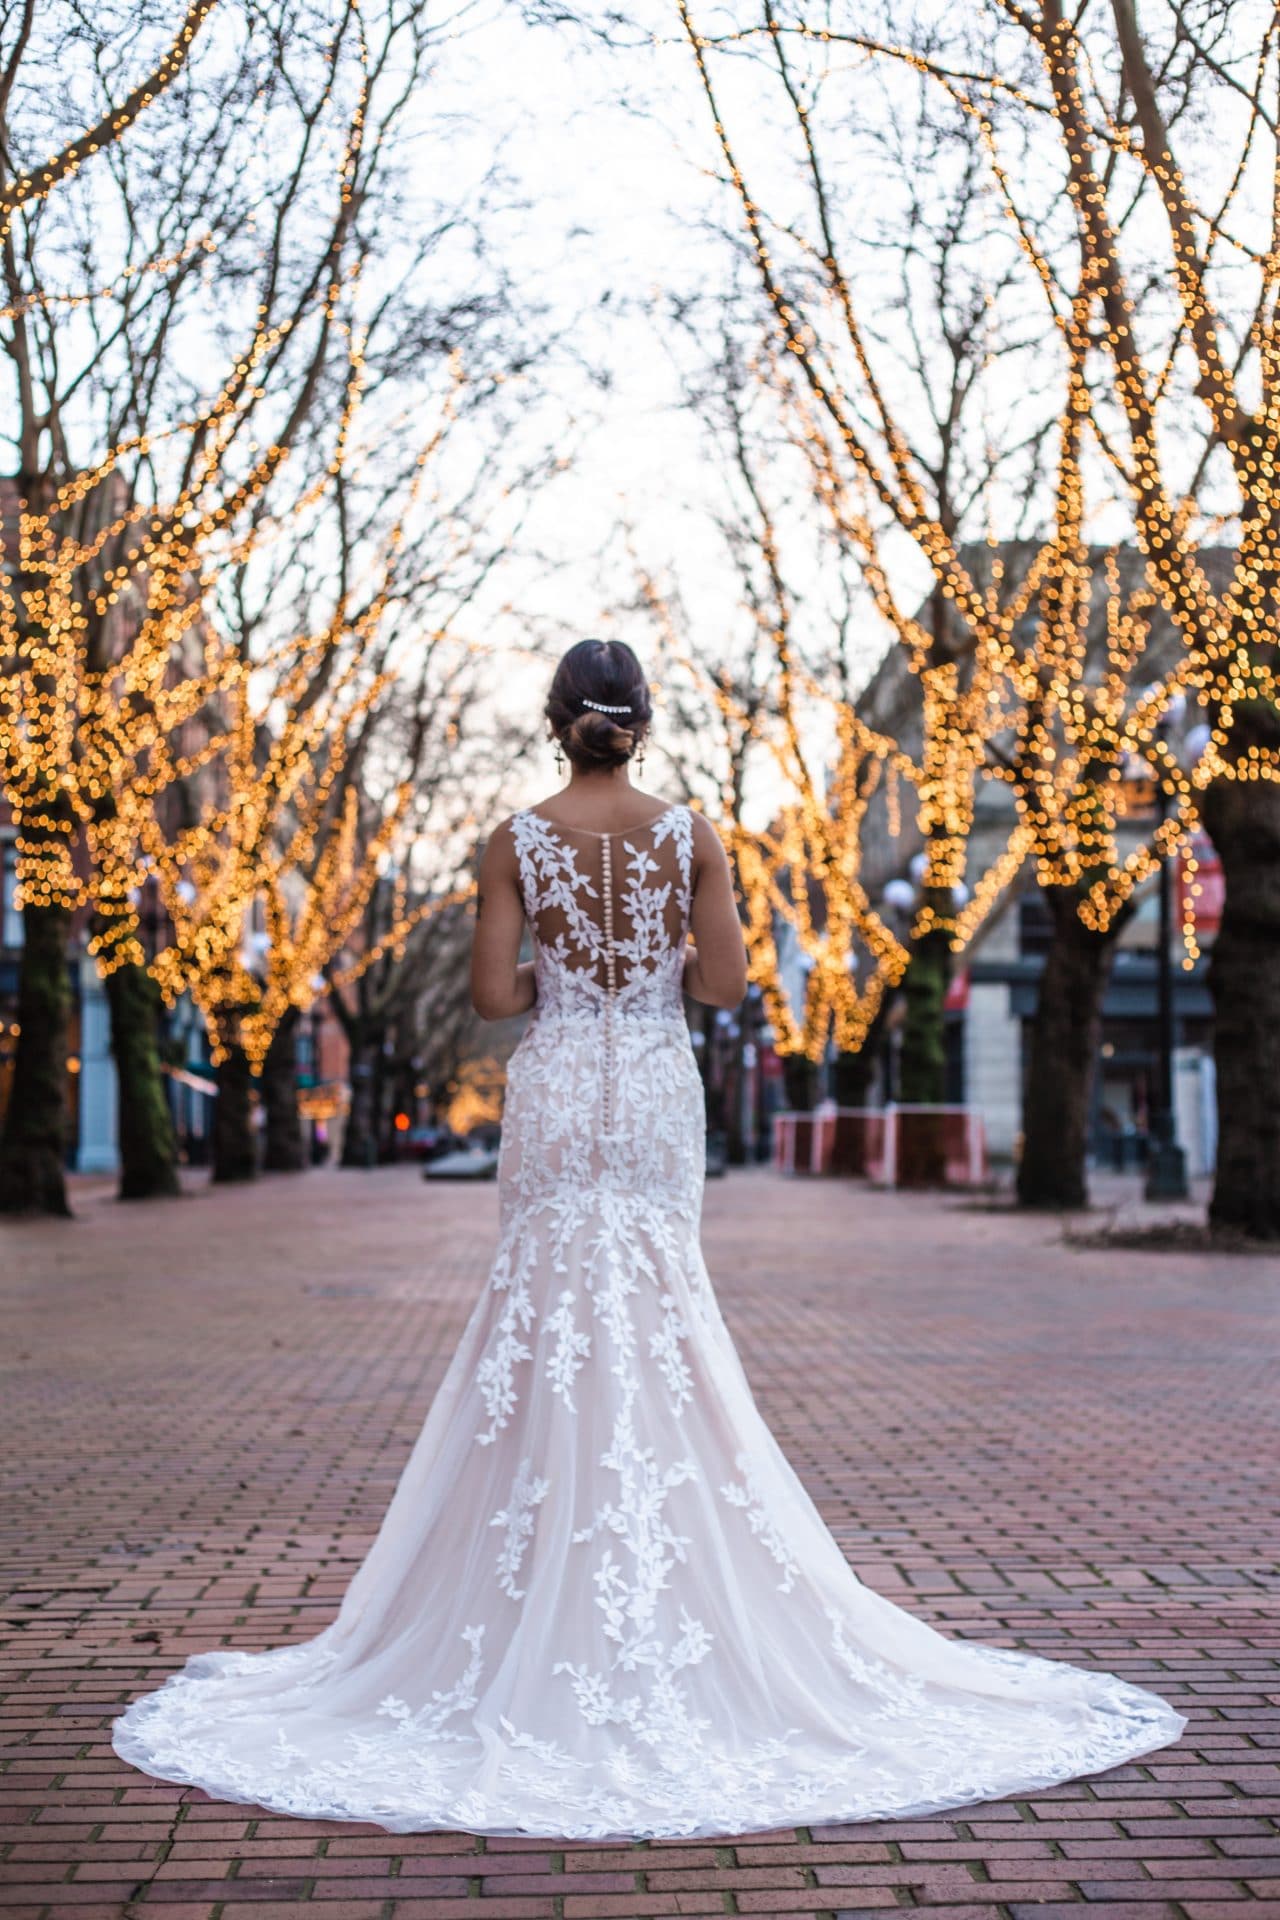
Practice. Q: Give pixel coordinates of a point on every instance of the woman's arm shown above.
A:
(500, 984)
(716, 969)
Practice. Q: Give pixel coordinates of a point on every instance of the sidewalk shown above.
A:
(1075, 1451)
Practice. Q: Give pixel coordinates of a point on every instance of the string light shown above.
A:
(116, 686)
(37, 185)
(89, 754)
(812, 851)
(1025, 711)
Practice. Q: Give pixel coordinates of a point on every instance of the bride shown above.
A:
(601, 1604)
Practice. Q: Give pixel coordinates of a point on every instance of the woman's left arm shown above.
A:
(500, 985)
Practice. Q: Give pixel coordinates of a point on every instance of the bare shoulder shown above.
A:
(706, 838)
(500, 848)
(709, 856)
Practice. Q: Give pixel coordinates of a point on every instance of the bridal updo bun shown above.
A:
(599, 707)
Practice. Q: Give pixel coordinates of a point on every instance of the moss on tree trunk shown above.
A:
(148, 1148)
(285, 1148)
(1064, 1048)
(234, 1149)
(922, 1062)
(1243, 819)
(34, 1143)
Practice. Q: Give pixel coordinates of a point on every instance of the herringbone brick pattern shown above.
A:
(208, 1403)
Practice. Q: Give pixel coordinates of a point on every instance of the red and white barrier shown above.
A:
(880, 1142)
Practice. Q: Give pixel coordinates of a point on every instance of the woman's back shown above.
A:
(603, 1087)
(609, 913)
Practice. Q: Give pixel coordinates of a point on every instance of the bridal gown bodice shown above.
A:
(601, 1603)
(603, 1092)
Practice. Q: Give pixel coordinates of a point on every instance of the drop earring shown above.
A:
(640, 758)
(559, 758)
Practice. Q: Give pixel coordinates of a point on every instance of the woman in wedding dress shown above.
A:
(601, 1604)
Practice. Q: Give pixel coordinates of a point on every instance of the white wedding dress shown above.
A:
(601, 1603)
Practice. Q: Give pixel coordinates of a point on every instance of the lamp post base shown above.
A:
(1167, 1172)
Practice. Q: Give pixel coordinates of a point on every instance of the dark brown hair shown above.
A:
(595, 674)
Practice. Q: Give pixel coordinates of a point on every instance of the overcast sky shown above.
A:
(616, 199)
(615, 156)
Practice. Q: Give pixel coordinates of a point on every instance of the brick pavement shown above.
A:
(208, 1402)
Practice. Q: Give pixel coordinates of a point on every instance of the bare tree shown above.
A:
(896, 330)
(1208, 355)
(1058, 303)
(233, 182)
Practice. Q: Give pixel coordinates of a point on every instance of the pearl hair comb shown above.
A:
(599, 706)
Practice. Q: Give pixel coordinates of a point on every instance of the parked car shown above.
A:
(464, 1163)
(429, 1143)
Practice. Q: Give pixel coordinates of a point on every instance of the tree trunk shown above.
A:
(33, 1147)
(851, 1077)
(148, 1149)
(285, 1149)
(852, 1074)
(1243, 819)
(800, 1081)
(1064, 1048)
(922, 1062)
(380, 1120)
(234, 1150)
(360, 1139)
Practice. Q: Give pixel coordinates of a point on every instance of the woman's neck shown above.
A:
(599, 780)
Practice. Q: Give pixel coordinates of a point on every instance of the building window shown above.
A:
(10, 917)
(1035, 924)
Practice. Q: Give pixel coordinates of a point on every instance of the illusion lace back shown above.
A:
(601, 1603)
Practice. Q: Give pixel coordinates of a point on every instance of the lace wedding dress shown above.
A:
(601, 1603)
